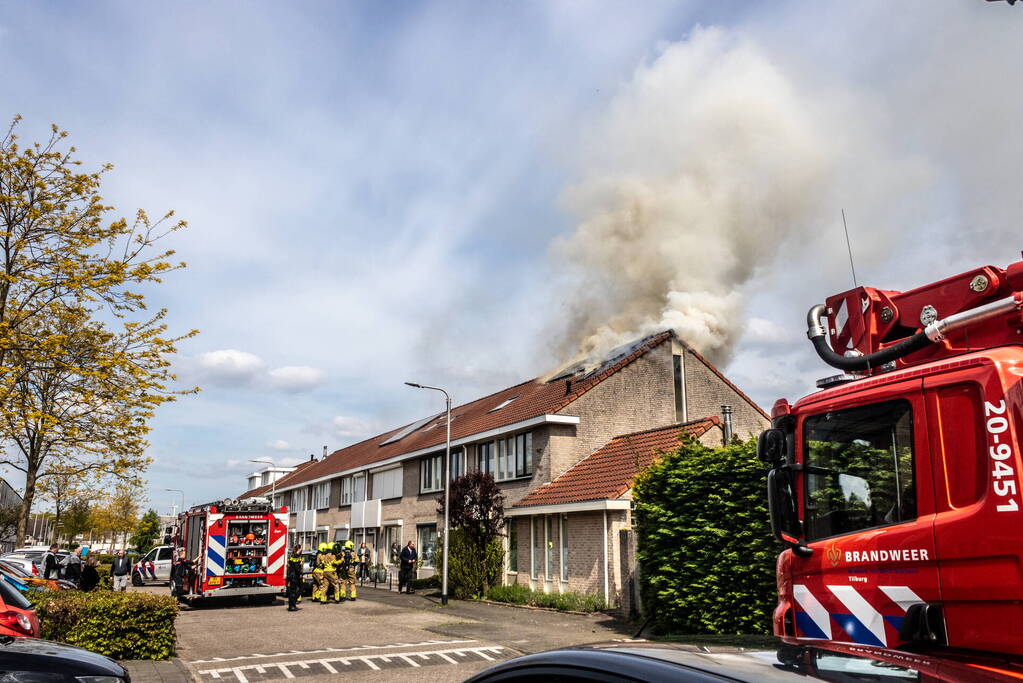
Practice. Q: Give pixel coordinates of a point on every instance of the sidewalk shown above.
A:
(147, 671)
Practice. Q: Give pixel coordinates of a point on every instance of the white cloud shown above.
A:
(233, 463)
(228, 367)
(279, 445)
(296, 378)
(351, 428)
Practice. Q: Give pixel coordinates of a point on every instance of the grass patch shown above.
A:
(517, 594)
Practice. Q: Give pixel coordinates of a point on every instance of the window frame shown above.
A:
(563, 539)
(486, 457)
(321, 496)
(808, 469)
(511, 564)
(345, 499)
(420, 528)
(432, 467)
(356, 479)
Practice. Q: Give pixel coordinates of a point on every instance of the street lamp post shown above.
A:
(273, 479)
(447, 483)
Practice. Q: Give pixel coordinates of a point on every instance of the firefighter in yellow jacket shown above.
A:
(330, 584)
(319, 584)
(347, 565)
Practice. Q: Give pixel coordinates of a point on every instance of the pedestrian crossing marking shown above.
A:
(355, 648)
(373, 662)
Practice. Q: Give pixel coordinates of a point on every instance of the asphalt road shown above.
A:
(381, 637)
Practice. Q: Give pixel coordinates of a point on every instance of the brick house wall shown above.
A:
(639, 396)
(706, 392)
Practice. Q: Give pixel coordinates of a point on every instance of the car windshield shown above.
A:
(12, 596)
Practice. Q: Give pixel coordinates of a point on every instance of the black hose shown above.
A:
(873, 360)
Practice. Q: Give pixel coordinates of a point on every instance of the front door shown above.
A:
(868, 513)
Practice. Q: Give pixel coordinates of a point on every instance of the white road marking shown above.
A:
(357, 648)
(368, 660)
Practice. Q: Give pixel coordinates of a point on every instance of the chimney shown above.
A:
(312, 456)
(324, 451)
(726, 422)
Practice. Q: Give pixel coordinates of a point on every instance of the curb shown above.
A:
(542, 609)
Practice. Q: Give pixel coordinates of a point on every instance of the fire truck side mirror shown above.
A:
(781, 503)
(771, 447)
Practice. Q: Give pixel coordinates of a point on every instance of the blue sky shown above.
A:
(380, 192)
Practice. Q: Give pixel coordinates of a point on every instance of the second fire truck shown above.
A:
(896, 488)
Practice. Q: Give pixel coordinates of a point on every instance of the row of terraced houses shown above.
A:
(563, 450)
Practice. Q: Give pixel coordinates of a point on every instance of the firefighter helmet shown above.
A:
(323, 547)
(349, 544)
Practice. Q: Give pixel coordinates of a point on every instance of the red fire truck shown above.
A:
(239, 548)
(896, 488)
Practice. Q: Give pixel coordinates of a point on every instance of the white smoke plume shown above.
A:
(708, 162)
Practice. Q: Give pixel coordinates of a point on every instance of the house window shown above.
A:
(505, 454)
(548, 549)
(514, 457)
(428, 544)
(346, 491)
(300, 499)
(359, 488)
(457, 464)
(340, 535)
(431, 470)
(536, 545)
(563, 533)
(524, 454)
(387, 484)
(513, 546)
(321, 496)
(485, 461)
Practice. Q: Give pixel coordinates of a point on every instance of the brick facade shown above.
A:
(571, 421)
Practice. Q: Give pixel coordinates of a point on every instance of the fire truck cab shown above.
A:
(896, 488)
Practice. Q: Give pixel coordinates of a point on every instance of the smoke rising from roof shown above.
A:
(708, 162)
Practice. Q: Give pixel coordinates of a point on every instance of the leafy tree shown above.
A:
(147, 532)
(476, 556)
(77, 519)
(82, 365)
(704, 540)
(119, 514)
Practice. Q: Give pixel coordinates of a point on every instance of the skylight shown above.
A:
(502, 404)
(398, 436)
(439, 423)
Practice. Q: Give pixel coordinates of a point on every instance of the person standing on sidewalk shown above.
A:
(121, 571)
(364, 561)
(72, 567)
(51, 566)
(409, 557)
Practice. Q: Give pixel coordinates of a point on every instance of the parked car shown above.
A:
(162, 557)
(635, 661)
(43, 661)
(32, 557)
(15, 570)
(17, 618)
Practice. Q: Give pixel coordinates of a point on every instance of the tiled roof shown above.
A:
(608, 472)
(532, 399)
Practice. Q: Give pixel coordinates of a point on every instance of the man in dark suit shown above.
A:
(409, 557)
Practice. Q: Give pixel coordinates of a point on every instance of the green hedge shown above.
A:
(704, 540)
(118, 625)
(428, 582)
(472, 570)
(518, 594)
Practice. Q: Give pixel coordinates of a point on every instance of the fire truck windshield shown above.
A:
(859, 468)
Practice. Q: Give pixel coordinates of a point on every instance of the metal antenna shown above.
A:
(848, 246)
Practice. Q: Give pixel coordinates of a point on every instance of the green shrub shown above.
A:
(473, 570)
(118, 625)
(518, 594)
(704, 540)
(428, 582)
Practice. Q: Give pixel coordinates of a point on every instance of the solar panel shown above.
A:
(401, 434)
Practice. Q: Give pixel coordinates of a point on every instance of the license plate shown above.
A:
(213, 581)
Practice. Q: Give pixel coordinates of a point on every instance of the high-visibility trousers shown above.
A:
(319, 585)
(348, 582)
(332, 587)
